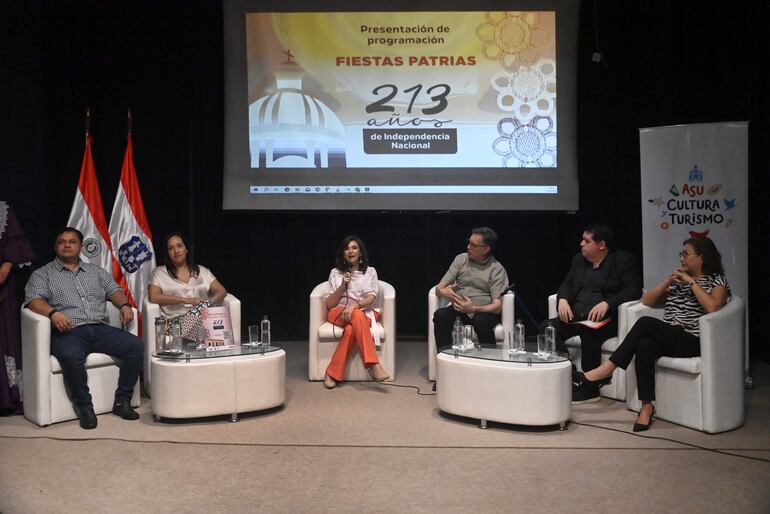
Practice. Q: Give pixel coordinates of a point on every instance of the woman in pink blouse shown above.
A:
(353, 289)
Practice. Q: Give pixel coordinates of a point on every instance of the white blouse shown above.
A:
(361, 285)
(196, 287)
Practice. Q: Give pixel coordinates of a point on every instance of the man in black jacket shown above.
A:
(599, 280)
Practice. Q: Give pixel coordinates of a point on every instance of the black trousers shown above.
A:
(648, 340)
(591, 340)
(483, 323)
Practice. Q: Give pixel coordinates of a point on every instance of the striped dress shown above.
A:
(684, 309)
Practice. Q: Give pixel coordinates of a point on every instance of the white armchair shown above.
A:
(617, 389)
(323, 336)
(706, 392)
(150, 311)
(45, 397)
(436, 302)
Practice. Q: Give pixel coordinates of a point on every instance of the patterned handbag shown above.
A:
(191, 322)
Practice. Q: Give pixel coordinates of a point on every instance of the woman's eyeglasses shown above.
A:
(684, 255)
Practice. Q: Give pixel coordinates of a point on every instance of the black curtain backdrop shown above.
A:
(662, 63)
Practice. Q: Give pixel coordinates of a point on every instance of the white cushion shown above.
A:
(689, 365)
(328, 333)
(94, 360)
(608, 346)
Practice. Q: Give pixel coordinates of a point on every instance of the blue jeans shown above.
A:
(71, 349)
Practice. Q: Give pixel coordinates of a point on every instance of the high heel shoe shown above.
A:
(329, 382)
(640, 427)
(380, 376)
(580, 378)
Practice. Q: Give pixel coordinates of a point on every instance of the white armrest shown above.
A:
(552, 307)
(722, 340)
(317, 318)
(388, 311)
(508, 314)
(234, 305)
(636, 311)
(36, 363)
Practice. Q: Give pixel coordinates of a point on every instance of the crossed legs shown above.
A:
(356, 334)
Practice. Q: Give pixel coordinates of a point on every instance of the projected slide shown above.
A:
(400, 110)
(373, 90)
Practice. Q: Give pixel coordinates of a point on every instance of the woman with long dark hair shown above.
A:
(181, 283)
(353, 288)
(698, 286)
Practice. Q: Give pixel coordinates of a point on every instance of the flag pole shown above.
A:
(88, 122)
(129, 120)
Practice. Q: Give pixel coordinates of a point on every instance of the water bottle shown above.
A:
(518, 337)
(265, 330)
(457, 334)
(550, 338)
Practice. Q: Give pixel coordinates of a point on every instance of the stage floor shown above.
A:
(366, 447)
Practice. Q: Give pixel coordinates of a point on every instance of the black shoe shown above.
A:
(585, 394)
(639, 427)
(580, 378)
(577, 376)
(124, 410)
(87, 417)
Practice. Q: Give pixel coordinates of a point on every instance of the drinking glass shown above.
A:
(254, 335)
(468, 336)
(519, 345)
(176, 338)
(543, 349)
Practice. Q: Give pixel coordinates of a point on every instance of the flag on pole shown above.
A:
(130, 232)
(87, 215)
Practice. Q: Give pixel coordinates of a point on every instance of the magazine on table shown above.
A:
(592, 324)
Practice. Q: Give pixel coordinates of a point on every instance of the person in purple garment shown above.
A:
(15, 254)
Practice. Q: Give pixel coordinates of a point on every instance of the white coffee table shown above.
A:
(203, 383)
(520, 389)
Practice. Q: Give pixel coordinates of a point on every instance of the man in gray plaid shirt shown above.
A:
(72, 293)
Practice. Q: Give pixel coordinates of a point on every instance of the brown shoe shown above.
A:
(329, 382)
(378, 374)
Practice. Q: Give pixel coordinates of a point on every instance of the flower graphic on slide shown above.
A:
(529, 92)
(526, 145)
(512, 37)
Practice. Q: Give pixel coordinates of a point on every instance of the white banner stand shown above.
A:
(694, 183)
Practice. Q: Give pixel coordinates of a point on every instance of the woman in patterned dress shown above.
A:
(15, 255)
(698, 286)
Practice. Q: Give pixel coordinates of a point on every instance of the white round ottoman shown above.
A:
(219, 383)
(490, 384)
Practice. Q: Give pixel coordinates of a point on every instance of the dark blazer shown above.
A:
(624, 281)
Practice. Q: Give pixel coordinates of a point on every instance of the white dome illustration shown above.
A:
(291, 127)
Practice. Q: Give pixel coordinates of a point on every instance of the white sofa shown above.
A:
(150, 311)
(705, 393)
(45, 397)
(323, 336)
(436, 302)
(617, 389)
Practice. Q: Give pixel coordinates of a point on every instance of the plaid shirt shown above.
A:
(80, 295)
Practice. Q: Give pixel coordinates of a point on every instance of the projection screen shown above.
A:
(417, 110)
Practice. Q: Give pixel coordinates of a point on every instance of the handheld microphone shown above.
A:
(348, 269)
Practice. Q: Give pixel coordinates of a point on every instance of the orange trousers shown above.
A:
(355, 333)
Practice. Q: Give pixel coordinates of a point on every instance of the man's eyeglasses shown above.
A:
(474, 245)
